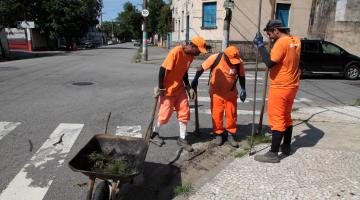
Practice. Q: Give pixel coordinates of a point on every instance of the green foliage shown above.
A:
(164, 23)
(129, 21)
(183, 190)
(241, 153)
(357, 102)
(110, 164)
(258, 139)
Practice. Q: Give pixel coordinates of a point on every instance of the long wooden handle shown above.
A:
(196, 114)
(150, 127)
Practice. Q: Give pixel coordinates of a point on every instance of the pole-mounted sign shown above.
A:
(145, 13)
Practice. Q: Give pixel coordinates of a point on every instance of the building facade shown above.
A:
(206, 18)
(337, 21)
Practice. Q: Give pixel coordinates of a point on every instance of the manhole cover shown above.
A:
(83, 83)
(8, 68)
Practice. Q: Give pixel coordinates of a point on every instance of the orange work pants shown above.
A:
(280, 104)
(218, 107)
(167, 105)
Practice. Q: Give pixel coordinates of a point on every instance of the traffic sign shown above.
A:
(145, 13)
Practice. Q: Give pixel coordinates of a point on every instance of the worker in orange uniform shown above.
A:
(225, 68)
(283, 64)
(173, 81)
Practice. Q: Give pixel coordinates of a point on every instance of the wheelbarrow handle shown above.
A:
(150, 127)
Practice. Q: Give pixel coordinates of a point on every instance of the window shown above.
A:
(311, 47)
(282, 13)
(331, 49)
(209, 15)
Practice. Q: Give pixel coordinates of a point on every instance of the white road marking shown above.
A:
(131, 131)
(207, 99)
(35, 178)
(239, 112)
(7, 127)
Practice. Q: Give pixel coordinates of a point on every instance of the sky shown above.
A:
(113, 7)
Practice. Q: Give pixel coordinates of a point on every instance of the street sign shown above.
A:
(145, 13)
(26, 24)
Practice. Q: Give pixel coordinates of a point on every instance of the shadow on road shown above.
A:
(20, 55)
(160, 181)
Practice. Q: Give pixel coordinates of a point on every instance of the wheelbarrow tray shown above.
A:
(133, 148)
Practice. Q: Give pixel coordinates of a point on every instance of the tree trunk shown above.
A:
(3, 53)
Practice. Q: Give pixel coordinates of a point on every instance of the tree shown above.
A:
(153, 19)
(164, 24)
(129, 21)
(68, 18)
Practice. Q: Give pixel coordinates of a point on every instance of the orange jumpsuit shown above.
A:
(176, 64)
(222, 98)
(284, 81)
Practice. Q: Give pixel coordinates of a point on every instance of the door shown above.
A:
(311, 56)
(332, 57)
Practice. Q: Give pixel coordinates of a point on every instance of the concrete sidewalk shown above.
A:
(156, 56)
(325, 163)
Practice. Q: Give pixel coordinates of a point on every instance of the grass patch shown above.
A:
(241, 153)
(137, 57)
(183, 190)
(357, 102)
(258, 139)
(295, 109)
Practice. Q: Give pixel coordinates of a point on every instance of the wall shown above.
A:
(337, 21)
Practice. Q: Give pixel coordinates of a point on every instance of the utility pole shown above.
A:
(112, 29)
(145, 50)
(187, 23)
(228, 4)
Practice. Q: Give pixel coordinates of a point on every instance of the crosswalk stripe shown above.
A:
(31, 182)
(239, 112)
(299, 100)
(7, 127)
(131, 131)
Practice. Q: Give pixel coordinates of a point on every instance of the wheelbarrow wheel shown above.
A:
(102, 191)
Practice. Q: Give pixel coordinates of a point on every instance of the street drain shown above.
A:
(8, 68)
(83, 83)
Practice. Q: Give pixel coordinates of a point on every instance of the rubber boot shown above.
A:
(219, 139)
(272, 156)
(231, 140)
(286, 145)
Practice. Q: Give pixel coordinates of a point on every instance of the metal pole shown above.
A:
(187, 24)
(266, 75)
(145, 49)
(226, 28)
(255, 84)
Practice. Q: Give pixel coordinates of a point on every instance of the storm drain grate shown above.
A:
(83, 83)
(8, 68)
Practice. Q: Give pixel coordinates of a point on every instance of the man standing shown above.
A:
(283, 65)
(173, 81)
(225, 68)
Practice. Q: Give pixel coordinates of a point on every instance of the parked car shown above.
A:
(137, 43)
(323, 57)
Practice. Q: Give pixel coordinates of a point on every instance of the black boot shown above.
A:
(156, 139)
(219, 139)
(272, 155)
(231, 140)
(286, 145)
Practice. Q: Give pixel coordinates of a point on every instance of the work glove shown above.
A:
(158, 92)
(242, 95)
(258, 40)
(191, 92)
(194, 84)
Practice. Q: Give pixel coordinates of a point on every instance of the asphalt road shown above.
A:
(39, 104)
